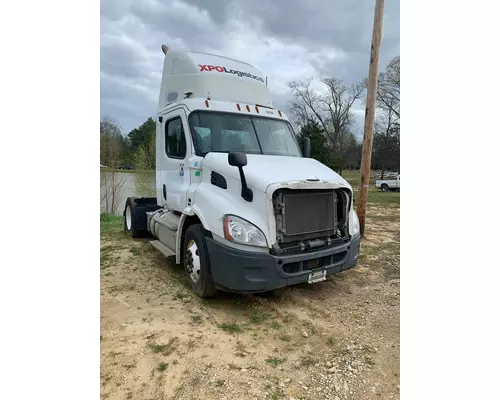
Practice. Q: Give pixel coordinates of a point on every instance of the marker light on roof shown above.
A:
(257, 109)
(248, 108)
(239, 108)
(206, 103)
(279, 112)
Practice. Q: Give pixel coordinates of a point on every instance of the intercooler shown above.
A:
(305, 214)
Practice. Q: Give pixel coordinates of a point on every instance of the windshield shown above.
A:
(220, 132)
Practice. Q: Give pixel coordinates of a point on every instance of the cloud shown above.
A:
(284, 39)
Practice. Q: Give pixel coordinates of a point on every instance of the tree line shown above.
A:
(137, 148)
(323, 111)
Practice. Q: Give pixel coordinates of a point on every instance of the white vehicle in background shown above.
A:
(388, 184)
(237, 202)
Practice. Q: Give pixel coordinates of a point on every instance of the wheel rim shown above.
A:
(193, 264)
(128, 218)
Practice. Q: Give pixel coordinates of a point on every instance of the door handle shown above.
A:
(164, 191)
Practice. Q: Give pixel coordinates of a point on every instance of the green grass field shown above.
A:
(374, 195)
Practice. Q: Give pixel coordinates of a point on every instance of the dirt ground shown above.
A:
(332, 340)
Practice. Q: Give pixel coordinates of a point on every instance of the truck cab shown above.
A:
(238, 203)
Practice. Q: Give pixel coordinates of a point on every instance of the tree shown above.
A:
(110, 154)
(332, 110)
(319, 146)
(145, 155)
(387, 127)
(111, 142)
(386, 140)
(142, 134)
(143, 145)
(352, 153)
(388, 90)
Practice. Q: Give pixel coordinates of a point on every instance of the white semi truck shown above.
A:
(237, 201)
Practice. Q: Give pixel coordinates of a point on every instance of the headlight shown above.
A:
(354, 225)
(241, 231)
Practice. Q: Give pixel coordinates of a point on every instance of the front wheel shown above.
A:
(384, 187)
(197, 262)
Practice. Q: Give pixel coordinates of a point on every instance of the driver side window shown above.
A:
(175, 139)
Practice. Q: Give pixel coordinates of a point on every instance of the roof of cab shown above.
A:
(204, 75)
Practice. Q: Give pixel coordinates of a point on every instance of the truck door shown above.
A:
(175, 180)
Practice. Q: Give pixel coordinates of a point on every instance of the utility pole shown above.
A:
(371, 97)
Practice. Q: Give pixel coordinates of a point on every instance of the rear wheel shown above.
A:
(384, 187)
(197, 262)
(129, 219)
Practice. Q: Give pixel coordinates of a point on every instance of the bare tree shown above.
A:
(332, 110)
(111, 187)
(338, 103)
(386, 138)
(388, 91)
(306, 102)
(111, 181)
(111, 140)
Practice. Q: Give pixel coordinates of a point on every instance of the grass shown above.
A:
(275, 361)
(196, 318)
(106, 258)
(377, 197)
(275, 325)
(258, 318)
(165, 349)
(231, 327)
(162, 366)
(374, 194)
(110, 222)
(220, 382)
(135, 251)
(180, 295)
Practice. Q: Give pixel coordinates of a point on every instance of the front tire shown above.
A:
(197, 263)
(384, 187)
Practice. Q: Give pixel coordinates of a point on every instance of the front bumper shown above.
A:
(241, 271)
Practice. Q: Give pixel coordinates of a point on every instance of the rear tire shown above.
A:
(129, 219)
(197, 263)
(384, 187)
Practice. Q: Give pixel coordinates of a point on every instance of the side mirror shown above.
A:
(237, 159)
(306, 147)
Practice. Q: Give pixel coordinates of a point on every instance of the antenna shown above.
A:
(266, 81)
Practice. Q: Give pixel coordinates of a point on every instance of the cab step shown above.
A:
(162, 248)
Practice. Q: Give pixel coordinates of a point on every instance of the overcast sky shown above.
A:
(284, 39)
